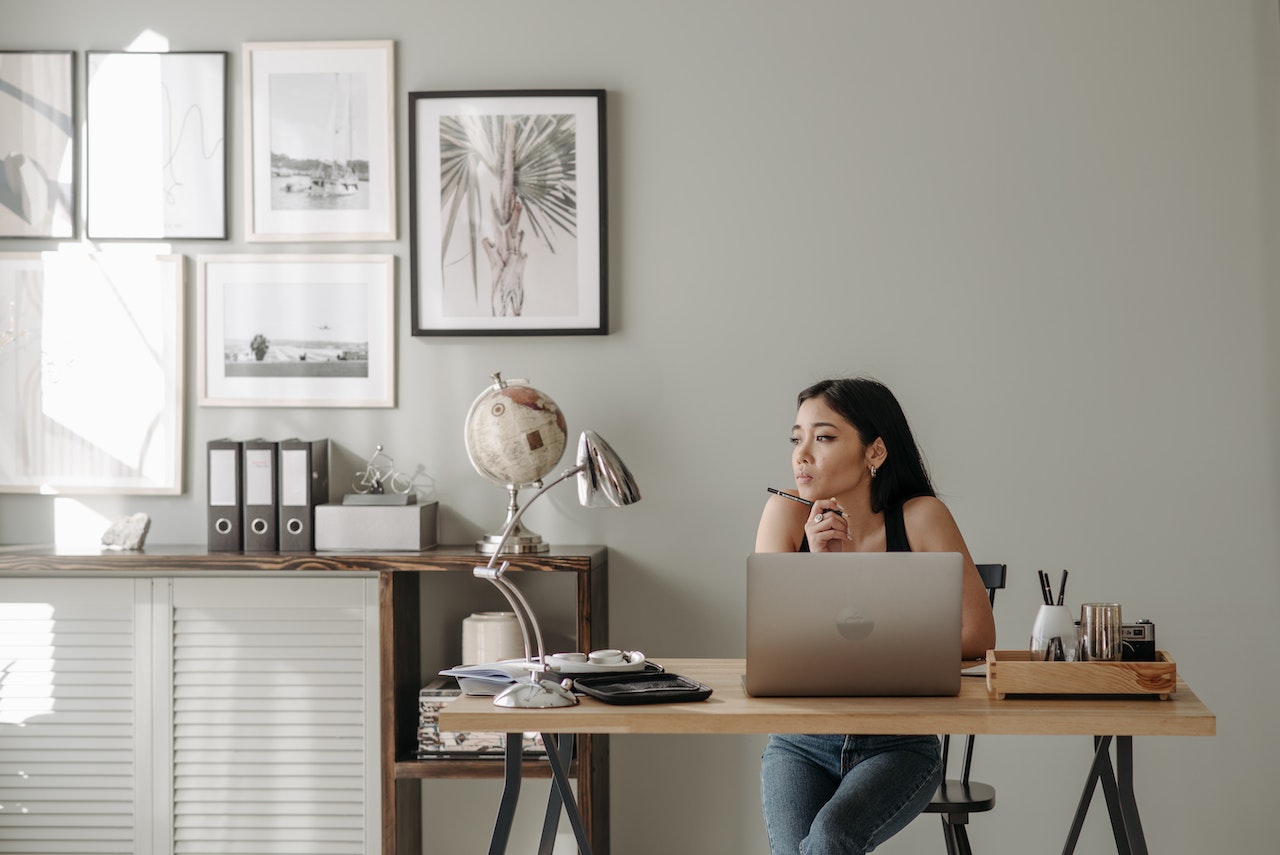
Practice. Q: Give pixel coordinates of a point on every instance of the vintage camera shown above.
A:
(1138, 641)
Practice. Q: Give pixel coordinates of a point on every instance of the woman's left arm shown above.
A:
(931, 528)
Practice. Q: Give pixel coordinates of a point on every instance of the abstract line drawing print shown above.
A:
(156, 145)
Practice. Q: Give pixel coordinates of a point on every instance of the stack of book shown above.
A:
(435, 743)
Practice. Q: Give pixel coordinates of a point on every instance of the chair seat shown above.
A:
(957, 797)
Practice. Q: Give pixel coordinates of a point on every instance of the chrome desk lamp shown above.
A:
(603, 481)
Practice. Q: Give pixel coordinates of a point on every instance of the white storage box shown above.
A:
(376, 527)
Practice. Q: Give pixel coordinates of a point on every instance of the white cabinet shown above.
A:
(189, 715)
(73, 720)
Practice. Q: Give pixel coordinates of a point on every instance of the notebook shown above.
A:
(853, 623)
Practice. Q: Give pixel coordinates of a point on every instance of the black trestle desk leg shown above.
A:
(1114, 810)
(1117, 787)
(1128, 804)
(561, 780)
(551, 822)
(1101, 759)
(512, 770)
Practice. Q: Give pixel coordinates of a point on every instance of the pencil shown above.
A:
(793, 497)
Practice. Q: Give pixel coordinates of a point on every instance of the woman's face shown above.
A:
(829, 458)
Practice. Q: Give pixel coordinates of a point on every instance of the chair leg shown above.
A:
(962, 840)
(949, 836)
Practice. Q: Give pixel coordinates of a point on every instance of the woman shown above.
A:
(830, 794)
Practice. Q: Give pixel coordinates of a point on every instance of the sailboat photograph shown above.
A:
(319, 141)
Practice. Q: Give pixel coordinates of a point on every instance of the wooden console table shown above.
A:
(400, 665)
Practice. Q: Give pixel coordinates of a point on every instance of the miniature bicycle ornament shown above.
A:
(379, 474)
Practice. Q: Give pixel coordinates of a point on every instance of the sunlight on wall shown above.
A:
(149, 40)
(124, 181)
(74, 524)
(94, 380)
(26, 661)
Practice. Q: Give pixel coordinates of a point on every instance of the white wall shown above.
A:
(1050, 227)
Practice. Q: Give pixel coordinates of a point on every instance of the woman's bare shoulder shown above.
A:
(781, 525)
(927, 515)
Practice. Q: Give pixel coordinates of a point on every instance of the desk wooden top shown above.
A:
(730, 710)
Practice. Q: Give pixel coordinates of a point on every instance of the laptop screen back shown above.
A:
(853, 623)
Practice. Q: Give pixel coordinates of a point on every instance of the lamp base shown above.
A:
(535, 694)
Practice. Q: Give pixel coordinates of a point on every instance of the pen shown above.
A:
(793, 497)
(1046, 588)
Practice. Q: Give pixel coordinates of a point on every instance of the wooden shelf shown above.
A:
(402, 679)
(488, 767)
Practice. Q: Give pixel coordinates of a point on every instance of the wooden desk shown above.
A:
(730, 711)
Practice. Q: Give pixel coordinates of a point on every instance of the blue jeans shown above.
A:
(844, 795)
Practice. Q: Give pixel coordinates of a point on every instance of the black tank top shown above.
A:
(895, 532)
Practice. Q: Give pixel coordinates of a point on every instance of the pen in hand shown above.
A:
(793, 497)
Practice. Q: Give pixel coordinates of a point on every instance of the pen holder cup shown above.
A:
(1101, 632)
(1055, 636)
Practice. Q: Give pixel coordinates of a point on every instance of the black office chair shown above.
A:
(957, 798)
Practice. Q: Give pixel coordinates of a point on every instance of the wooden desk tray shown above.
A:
(1013, 672)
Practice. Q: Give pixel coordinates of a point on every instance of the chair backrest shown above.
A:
(993, 579)
(993, 576)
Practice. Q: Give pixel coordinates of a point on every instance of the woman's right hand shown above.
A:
(826, 528)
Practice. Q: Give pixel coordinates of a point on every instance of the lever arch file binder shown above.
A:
(261, 508)
(304, 483)
(226, 496)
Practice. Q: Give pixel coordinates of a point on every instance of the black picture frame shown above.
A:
(156, 156)
(38, 166)
(544, 269)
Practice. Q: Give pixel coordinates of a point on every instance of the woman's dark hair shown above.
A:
(873, 411)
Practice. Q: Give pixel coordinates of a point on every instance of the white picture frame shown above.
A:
(91, 372)
(327, 322)
(320, 141)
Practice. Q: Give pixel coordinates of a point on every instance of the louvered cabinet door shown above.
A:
(275, 716)
(73, 716)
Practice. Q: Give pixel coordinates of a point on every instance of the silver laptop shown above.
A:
(853, 623)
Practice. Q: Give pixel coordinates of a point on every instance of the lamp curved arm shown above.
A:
(524, 612)
(521, 607)
(515, 520)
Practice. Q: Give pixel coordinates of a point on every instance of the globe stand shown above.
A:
(519, 540)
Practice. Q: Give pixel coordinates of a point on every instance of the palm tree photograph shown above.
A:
(509, 233)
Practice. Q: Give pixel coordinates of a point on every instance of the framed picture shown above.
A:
(296, 330)
(507, 213)
(320, 141)
(37, 144)
(91, 372)
(155, 145)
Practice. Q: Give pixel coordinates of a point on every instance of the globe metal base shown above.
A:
(519, 540)
(525, 544)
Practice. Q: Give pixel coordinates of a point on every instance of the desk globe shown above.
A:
(515, 436)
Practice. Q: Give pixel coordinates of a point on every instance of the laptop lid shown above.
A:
(853, 623)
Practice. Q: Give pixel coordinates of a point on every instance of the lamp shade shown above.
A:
(603, 479)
